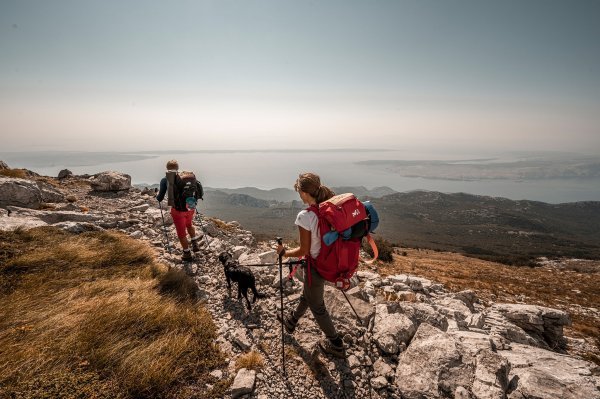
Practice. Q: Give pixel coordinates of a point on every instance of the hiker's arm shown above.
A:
(163, 190)
(199, 191)
(302, 250)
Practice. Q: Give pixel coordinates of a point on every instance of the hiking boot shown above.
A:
(187, 256)
(195, 246)
(289, 323)
(330, 348)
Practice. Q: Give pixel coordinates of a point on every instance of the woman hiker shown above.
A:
(312, 192)
(184, 190)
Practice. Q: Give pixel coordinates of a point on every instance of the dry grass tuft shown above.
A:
(178, 285)
(15, 173)
(222, 225)
(251, 361)
(81, 316)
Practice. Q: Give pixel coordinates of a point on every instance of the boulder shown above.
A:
(209, 228)
(367, 275)
(3, 165)
(50, 193)
(53, 217)
(9, 223)
(433, 366)
(491, 376)
(476, 320)
(238, 250)
(392, 330)
(77, 227)
(338, 307)
(111, 181)
(243, 383)
(420, 313)
(65, 173)
(543, 374)
(19, 192)
(249, 258)
(268, 257)
(473, 342)
(544, 325)
(467, 297)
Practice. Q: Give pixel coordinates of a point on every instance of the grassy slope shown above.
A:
(94, 316)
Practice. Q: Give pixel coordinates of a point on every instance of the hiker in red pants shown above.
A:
(184, 191)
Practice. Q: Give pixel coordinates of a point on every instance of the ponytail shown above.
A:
(323, 194)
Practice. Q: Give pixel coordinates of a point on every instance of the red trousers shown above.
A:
(182, 220)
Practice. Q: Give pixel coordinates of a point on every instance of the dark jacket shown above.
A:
(163, 191)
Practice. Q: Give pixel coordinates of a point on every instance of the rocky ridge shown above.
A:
(414, 339)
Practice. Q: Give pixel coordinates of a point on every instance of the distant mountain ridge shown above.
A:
(286, 194)
(487, 227)
(492, 228)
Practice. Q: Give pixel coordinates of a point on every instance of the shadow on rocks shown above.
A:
(109, 194)
(343, 389)
(237, 309)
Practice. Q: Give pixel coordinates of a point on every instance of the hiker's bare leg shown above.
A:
(184, 242)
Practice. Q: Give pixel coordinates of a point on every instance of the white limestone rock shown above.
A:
(78, 227)
(19, 192)
(243, 383)
(391, 330)
(9, 223)
(540, 373)
(111, 181)
(433, 366)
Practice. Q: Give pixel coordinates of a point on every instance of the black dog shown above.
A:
(240, 274)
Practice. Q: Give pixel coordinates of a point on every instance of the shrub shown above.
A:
(385, 248)
(251, 361)
(15, 173)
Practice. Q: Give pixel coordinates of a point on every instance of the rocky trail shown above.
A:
(416, 339)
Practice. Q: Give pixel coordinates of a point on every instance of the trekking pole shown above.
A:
(280, 242)
(202, 227)
(354, 310)
(164, 227)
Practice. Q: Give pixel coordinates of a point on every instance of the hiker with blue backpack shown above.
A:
(184, 191)
(335, 260)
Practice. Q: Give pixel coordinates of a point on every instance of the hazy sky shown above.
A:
(448, 74)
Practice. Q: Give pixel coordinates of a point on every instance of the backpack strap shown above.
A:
(374, 248)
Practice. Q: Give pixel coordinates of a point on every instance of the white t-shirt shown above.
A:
(309, 221)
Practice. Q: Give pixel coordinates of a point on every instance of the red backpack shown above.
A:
(338, 262)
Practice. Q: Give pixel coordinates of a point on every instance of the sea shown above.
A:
(268, 169)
